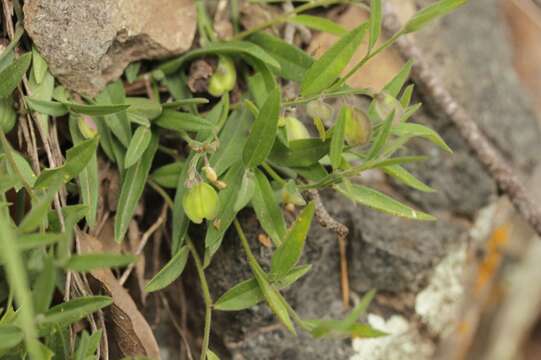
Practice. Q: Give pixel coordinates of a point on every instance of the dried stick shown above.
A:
(327, 221)
(499, 169)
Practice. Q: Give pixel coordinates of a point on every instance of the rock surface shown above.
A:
(89, 43)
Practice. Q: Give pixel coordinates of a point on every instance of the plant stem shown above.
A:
(273, 173)
(162, 193)
(206, 297)
(285, 17)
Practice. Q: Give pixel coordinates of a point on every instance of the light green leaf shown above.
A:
(405, 99)
(40, 206)
(301, 153)
(289, 253)
(263, 131)
(319, 23)
(382, 137)
(267, 210)
(375, 22)
(132, 188)
(407, 178)
(33, 241)
(146, 108)
(88, 262)
(293, 61)
(376, 200)
(44, 286)
(170, 272)
(39, 66)
(132, 70)
(12, 75)
(394, 86)
(10, 336)
(414, 130)
(181, 121)
(96, 110)
(211, 355)
(432, 12)
(168, 175)
(337, 140)
(328, 67)
(138, 144)
(246, 191)
(72, 311)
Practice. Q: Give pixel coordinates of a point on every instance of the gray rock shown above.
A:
(89, 43)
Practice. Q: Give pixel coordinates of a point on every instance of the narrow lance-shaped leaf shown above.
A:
(181, 121)
(132, 188)
(12, 75)
(10, 336)
(138, 144)
(287, 255)
(44, 286)
(319, 23)
(375, 22)
(394, 86)
(39, 65)
(170, 272)
(328, 67)
(382, 137)
(412, 130)
(263, 133)
(267, 210)
(88, 262)
(432, 12)
(376, 200)
(337, 140)
(96, 110)
(398, 172)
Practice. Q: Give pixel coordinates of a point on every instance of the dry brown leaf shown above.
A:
(524, 19)
(381, 69)
(131, 331)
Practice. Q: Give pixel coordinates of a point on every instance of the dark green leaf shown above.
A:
(263, 133)
(146, 108)
(88, 262)
(47, 107)
(132, 188)
(138, 144)
(328, 67)
(168, 175)
(10, 336)
(181, 121)
(301, 153)
(170, 272)
(96, 110)
(246, 191)
(12, 75)
(289, 253)
(44, 286)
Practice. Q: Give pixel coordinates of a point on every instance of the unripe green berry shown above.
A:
(295, 129)
(224, 78)
(87, 127)
(358, 128)
(200, 202)
(319, 109)
(8, 116)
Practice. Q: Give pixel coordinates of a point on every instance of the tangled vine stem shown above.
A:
(500, 170)
(327, 221)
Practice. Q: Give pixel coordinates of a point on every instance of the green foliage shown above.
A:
(215, 157)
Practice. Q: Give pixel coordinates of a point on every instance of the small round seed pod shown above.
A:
(200, 202)
(358, 128)
(319, 109)
(295, 129)
(87, 126)
(224, 78)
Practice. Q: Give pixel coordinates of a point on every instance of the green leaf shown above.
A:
(168, 175)
(138, 144)
(337, 140)
(376, 200)
(7, 51)
(319, 23)
(414, 130)
(88, 346)
(226, 48)
(44, 286)
(8, 115)
(170, 272)
(301, 153)
(181, 121)
(47, 107)
(33, 241)
(382, 137)
(394, 86)
(328, 67)
(39, 66)
(89, 181)
(407, 178)
(72, 311)
(118, 122)
(12, 75)
(211, 355)
(131, 72)
(40, 207)
(293, 61)
(430, 13)
(289, 253)
(247, 293)
(263, 131)
(88, 262)
(146, 108)
(405, 99)
(10, 336)
(132, 188)
(184, 102)
(96, 110)
(375, 22)
(246, 191)
(267, 210)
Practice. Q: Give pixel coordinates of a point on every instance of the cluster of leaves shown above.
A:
(245, 154)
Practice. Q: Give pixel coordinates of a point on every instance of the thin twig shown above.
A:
(500, 170)
(327, 221)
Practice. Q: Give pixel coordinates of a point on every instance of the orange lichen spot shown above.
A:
(493, 257)
(264, 240)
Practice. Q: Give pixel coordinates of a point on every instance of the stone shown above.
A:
(89, 43)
